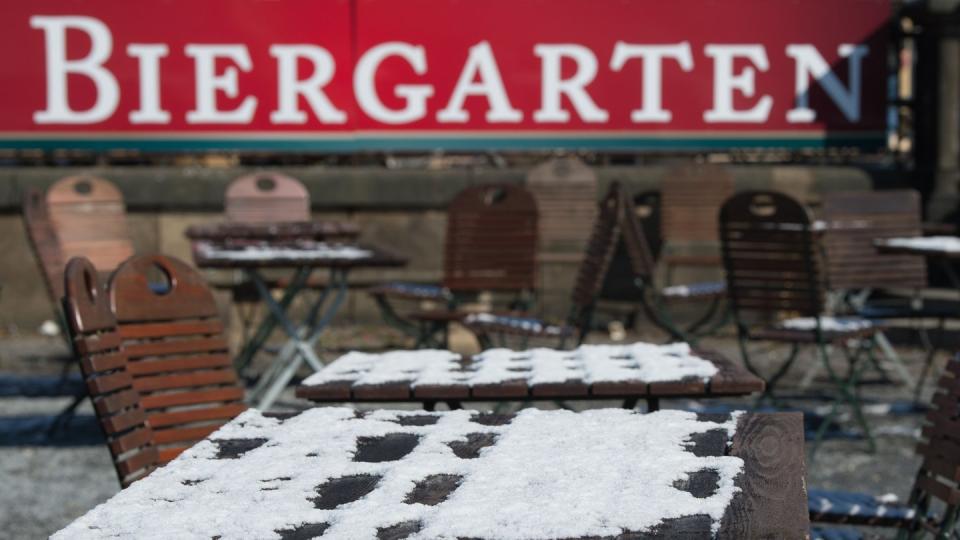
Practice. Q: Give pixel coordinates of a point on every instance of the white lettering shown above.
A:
(810, 64)
(725, 83)
(553, 86)
(480, 61)
(653, 56)
(209, 83)
(289, 87)
(414, 95)
(148, 57)
(58, 109)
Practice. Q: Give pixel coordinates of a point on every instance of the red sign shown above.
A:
(375, 74)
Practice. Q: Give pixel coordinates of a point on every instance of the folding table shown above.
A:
(303, 256)
(334, 472)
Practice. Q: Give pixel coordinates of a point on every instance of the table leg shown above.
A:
(279, 314)
(653, 404)
(267, 325)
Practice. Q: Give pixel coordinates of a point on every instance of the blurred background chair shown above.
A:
(774, 267)
(490, 248)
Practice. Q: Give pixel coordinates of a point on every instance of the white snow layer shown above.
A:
(550, 474)
(589, 363)
(947, 244)
(827, 324)
(303, 250)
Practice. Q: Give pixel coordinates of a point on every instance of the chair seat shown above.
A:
(513, 324)
(695, 290)
(801, 330)
(835, 533)
(905, 308)
(438, 315)
(414, 291)
(855, 508)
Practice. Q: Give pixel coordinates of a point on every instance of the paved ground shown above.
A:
(49, 481)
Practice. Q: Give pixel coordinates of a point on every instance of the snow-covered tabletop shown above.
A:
(301, 252)
(637, 370)
(947, 246)
(339, 474)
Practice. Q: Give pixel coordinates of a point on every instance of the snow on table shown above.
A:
(589, 363)
(827, 324)
(330, 471)
(946, 244)
(302, 250)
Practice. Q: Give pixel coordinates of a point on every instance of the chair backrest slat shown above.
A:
(939, 474)
(89, 218)
(491, 239)
(770, 255)
(620, 283)
(855, 219)
(43, 241)
(176, 350)
(267, 198)
(97, 344)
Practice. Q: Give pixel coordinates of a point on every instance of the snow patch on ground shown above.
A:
(550, 474)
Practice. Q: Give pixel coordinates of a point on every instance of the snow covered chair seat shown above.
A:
(695, 290)
(413, 291)
(828, 506)
(486, 323)
(803, 329)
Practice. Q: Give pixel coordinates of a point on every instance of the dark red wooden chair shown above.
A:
(858, 271)
(267, 198)
(774, 266)
(89, 218)
(96, 343)
(691, 199)
(176, 351)
(491, 245)
(933, 509)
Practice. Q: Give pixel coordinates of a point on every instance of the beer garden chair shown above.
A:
(490, 246)
(76, 216)
(774, 265)
(934, 505)
(616, 252)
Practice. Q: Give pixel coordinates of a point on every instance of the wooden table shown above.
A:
(410, 376)
(303, 257)
(943, 249)
(229, 231)
(601, 474)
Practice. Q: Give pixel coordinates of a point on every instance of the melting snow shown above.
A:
(947, 244)
(303, 250)
(589, 363)
(550, 474)
(827, 324)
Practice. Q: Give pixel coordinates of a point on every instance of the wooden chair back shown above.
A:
(43, 242)
(176, 350)
(637, 249)
(491, 239)
(97, 345)
(770, 254)
(566, 193)
(89, 218)
(267, 198)
(691, 199)
(601, 250)
(939, 473)
(854, 220)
